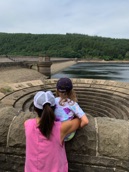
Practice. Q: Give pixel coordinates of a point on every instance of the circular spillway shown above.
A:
(98, 98)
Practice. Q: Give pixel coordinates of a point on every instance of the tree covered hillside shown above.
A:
(68, 45)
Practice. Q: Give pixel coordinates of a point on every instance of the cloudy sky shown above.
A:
(106, 18)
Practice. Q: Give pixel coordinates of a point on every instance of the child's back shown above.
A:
(67, 110)
(66, 106)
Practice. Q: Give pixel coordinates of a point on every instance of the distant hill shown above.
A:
(67, 45)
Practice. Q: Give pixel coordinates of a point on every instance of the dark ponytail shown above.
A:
(47, 119)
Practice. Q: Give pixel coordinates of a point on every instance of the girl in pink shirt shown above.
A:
(45, 151)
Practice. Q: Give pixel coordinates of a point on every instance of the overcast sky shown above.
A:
(106, 18)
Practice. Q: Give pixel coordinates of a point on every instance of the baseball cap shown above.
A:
(64, 85)
(42, 98)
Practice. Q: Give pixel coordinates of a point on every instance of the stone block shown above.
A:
(113, 138)
(16, 135)
(84, 141)
(6, 116)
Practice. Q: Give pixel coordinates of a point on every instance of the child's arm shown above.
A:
(77, 110)
(84, 121)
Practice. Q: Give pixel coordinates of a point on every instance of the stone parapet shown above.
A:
(101, 146)
(12, 64)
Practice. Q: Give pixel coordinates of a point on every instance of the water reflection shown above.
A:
(106, 71)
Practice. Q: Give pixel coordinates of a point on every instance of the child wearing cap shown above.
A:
(45, 150)
(66, 104)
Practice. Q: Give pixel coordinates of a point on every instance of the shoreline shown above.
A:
(57, 67)
(103, 61)
(15, 78)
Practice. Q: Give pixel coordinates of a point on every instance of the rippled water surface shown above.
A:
(106, 71)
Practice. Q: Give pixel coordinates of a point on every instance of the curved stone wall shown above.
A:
(101, 146)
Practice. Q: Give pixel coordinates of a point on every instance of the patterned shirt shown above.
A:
(68, 110)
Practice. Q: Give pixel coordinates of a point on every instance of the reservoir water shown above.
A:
(106, 71)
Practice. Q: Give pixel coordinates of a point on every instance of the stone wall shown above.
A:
(13, 64)
(102, 146)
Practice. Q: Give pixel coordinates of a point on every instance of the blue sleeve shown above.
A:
(77, 110)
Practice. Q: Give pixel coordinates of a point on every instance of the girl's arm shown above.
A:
(77, 110)
(84, 121)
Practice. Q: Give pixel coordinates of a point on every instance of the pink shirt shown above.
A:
(43, 155)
